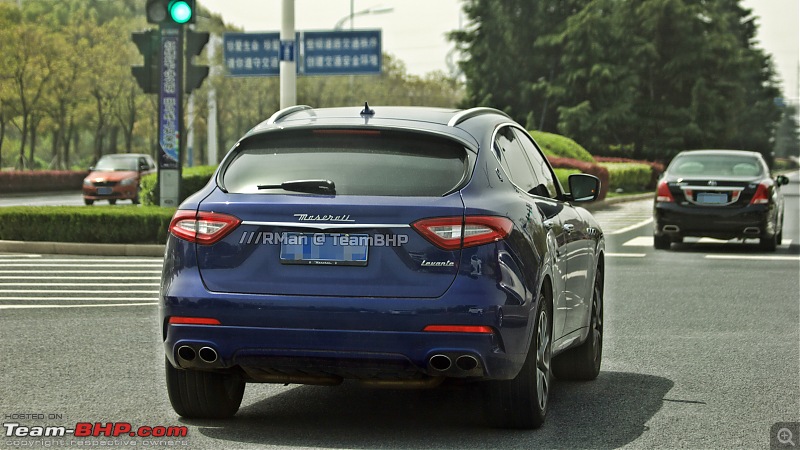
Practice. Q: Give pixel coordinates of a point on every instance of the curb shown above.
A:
(74, 248)
(156, 250)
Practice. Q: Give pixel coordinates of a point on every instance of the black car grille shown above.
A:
(104, 183)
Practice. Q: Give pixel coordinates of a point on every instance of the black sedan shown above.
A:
(722, 194)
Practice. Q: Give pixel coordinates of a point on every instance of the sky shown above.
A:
(414, 30)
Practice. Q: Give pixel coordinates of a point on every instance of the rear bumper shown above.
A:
(314, 340)
(752, 221)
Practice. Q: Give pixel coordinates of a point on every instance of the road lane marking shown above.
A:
(48, 277)
(106, 305)
(81, 299)
(75, 265)
(626, 255)
(640, 241)
(104, 261)
(76, 291)
(756, 257)
(153, 271)
(100, 285)
(632, 227)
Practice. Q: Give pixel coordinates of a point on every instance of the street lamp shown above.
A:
(373, 10)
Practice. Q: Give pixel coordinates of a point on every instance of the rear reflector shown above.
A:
(761, 197)
(202, 227)
(663, 194)
(178, 320)
(479, 329)
(453, 233)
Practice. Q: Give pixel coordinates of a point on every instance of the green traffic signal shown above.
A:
(166, 12)
(180, 11)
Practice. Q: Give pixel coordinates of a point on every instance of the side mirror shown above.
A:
(91, 168)
(583, 187)
(143, 167)
(782, 180)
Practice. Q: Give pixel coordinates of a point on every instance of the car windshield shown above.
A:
(716, 165)
(356, 162)
(117, 163)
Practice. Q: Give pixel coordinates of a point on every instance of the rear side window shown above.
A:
(358, 162)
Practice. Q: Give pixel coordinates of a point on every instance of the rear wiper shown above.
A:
(308, 186)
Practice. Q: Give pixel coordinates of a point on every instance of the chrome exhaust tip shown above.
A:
(753, 231)
(671, 228)
(208, 355)
(440, 362)
(466, 362)
(186, 353)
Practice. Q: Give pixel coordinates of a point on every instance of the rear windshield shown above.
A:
(717, 165)
(370, 162)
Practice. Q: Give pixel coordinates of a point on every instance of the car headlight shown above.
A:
(87, 182)
(128, 181)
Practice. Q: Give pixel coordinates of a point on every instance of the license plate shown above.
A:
(104, 191)
(325, 249)
(712, 199)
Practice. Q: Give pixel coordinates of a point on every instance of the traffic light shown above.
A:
(166, 12)
(148, 76)
(195, 41)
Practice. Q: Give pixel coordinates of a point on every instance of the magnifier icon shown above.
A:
(785, 436)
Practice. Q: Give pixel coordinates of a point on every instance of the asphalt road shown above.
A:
(702, 350)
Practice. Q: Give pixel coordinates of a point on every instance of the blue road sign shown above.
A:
(252, 54)
(341, 52)
(316, 53)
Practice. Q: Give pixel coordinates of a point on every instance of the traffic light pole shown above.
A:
(170, 115)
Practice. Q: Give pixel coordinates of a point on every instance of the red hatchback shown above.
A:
(116, 177)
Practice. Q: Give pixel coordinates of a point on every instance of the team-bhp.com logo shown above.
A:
(97, 429)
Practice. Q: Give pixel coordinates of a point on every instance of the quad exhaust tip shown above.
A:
(208, 355)
(671, 228)
(466, 362)
(186, 353)
(752, 231)
(440, 362)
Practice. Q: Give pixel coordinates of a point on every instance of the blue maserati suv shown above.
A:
(393, 246)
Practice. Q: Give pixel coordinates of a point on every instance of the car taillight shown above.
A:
(453, 233)
(202, 227)
(663, 194)
(761, 197)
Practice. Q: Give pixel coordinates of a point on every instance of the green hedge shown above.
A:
(561, 146)
(629, 177)
(41, 180)
(99, 224)
(193, 179)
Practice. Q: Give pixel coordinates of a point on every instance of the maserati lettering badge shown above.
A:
(323, 218)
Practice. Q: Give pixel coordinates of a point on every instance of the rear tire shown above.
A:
(521, 402)
(583, 362)
(769, 244)
(195, 394)
(662, 242)
(88, 202)
(113, 201)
